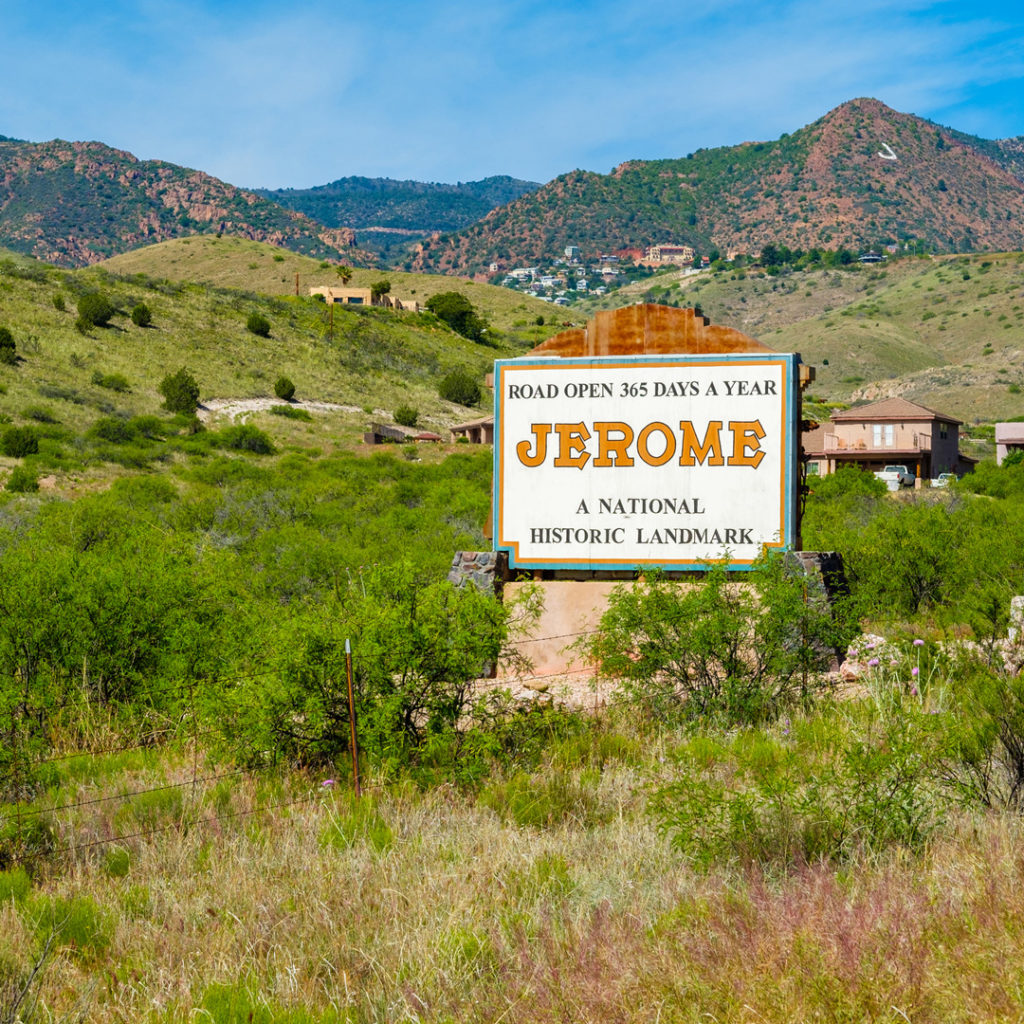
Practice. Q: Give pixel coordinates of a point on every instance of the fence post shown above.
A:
(352, 717)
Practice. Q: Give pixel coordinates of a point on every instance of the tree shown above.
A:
(180, 391)
(458, 313)
(258, 324)
(284, 389)
(141, 315)
(7, 349)
(406, 416)
(345, 273)
(94, 310)
(379, 289)
(460, 386)
(17, 442)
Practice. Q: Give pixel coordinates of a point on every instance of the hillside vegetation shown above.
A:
(945, 331)
(386, 215)
(239, 263)
(67, 382)
(861, 176)
(73, 203)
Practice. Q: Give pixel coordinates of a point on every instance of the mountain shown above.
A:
(861, 176)
(415, 206)
(388, 214)
(74, 203)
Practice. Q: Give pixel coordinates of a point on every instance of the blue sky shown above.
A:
(297, 94)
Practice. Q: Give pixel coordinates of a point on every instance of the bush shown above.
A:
(6, 338)
(247, 438)
(180, 391)
(112, 429)
(284, 389)
(111, 381)
(22, 480)
(8, 354)
(58, 303)
(291, 412)
(258, 324)
(8, 357)
(17, 442)
(39, 413)
(460, 386)
(458, 313)
(731, 652)
(406, 416)
(141, 315)
(94, 310)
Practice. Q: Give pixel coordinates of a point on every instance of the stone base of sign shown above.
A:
(572, 610)
(485, 570)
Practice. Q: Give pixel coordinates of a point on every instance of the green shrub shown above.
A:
(459, 314)
(406, 416)
(714, 649)
(258, 324)
(246, 438)
(17, 442)
(15, 884)
(6, 338)
(141, 315)
(8, 353)
(78, 923)
(22, 480)
(111, 381)
(847, 783)
(291, 412)
(58, 303)
(284, 389)
(8, 357)
(461, 387)
(112, 429)
(39, 413)
(94, 310)
(180, 391)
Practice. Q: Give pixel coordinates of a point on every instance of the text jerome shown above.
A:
(617, 443)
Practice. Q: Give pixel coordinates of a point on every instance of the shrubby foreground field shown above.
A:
(179, 841)
(732, 836)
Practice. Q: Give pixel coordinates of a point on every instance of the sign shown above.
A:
(645, 461)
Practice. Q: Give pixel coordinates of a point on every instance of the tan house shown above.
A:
(893, 431)
(1009, 438)
(476, 432)
(363, 297)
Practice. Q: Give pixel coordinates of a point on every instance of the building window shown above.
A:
(812, 469)
(883, 435)
(943, 431)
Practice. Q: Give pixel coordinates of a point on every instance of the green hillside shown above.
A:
(946, 331)
(254, 266)
(66, 381)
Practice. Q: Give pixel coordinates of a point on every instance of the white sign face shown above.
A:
(629, 462)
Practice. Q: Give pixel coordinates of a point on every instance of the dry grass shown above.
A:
(431, 907)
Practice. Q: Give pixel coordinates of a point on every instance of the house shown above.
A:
(476, 432)
(893, 431)
(364, 297)
(1009, 438)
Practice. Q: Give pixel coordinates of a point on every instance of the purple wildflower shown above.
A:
(873, 662)
(915, 671)
(327, 783)
(919, 643)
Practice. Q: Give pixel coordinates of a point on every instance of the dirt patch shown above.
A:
(239, 409)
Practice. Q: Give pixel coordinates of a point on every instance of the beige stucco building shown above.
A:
(893, 431)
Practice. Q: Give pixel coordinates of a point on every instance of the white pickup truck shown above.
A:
(895, 477)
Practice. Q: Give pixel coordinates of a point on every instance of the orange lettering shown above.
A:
(611, 451)
(572, 439)
(746, 434)
(712, 444)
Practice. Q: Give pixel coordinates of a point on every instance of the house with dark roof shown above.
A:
(893, 431)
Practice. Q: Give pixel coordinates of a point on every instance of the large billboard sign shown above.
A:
(632, 462)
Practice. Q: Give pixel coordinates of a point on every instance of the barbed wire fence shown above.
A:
(20, 815)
